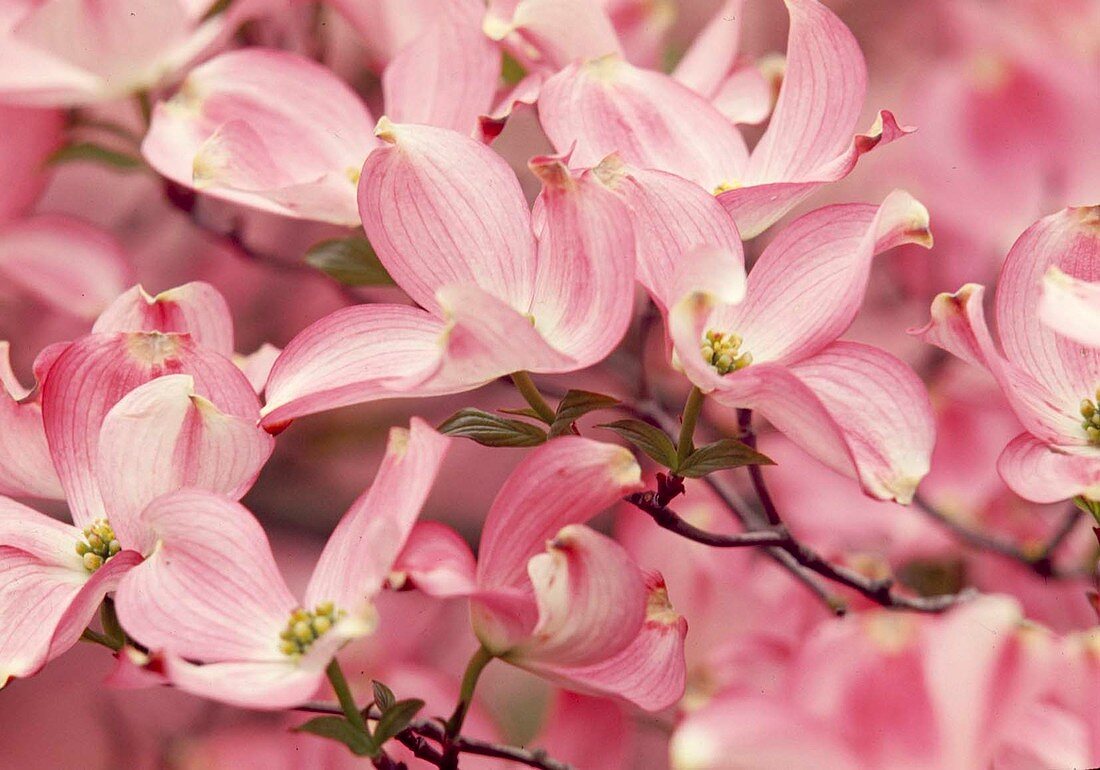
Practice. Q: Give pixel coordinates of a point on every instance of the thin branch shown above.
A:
(1041, 563)
(880, 591)
(419, 731)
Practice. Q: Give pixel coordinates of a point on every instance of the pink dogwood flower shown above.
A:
(1071, 307)
(1051, 381)
(654, 121)
(884, 689)
(554, 596)
(770, 344)
(211, 600)
(122, 418)
(276, 131)
(501, 291)
(72, 52)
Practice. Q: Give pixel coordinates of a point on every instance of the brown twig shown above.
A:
(416, 736)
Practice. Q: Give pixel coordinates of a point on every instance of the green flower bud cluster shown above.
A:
(305, 627)
(723, 352)
(1091, 413)
(99, 545)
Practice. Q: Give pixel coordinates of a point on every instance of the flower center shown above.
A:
(726, 187)
(98, 545)
(1091, 422)
(305, 627)
(723, 352)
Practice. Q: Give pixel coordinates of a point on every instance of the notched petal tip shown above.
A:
(553, 170)
(386, 130)
(909, 217)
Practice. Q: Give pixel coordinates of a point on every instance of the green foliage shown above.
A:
(341, 730)
(575, 405)
(94, 153)
(727, 453)
(490, 429)
(351, 261)
(653, 441)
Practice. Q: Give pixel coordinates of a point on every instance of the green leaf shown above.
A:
(727, 453)
(511, 71)
(396, 718)
(341, 730)
(489, 429)
(351, 261)
(577, 403)
(94, 153)
(383, 696)
(653, 441)
(524, 412)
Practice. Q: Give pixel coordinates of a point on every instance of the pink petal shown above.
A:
(958, 326)
(95, 372)
(386, 26)
(855, 408)
(195, 308)
(267, 129)
(31, 75)
(565, 481)
(671, 217)
(525, 93)
(1043, 473)
(26, 468)
(591, 600)
(353, 356)
(764, 732)
(72, 266)
(39, 535)
(257, 365)
(820, 100)
(448, 75)
(437, 561)
(547, 35)
(272, 685)
(608, 106)
(135, 670)
(362, 550)
(745, 97)
(1071, 307)
(1069, 241)
(28, 136)
(808, 285)
(884, 411)
(761, 201)
(123, 46)
(579, 727)
(47, 603)
(487, 338)
(210, 590)
(161, 437)
(650, 672)
(584, 288)
(713, 53)
(441, 208)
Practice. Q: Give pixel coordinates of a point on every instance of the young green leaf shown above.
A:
(383, 696)
(489, 429)
(575, 405)
(653, 441)
(727, 453)
(396, 718)
(94, 153)
(341, 730)
(351, 261)
(521, 412)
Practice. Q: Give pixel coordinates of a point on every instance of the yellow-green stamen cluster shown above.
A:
(99, 545)
(723, 352)
(305, 627)
(1091, 412)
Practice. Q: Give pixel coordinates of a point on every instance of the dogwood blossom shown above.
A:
(1051, 381)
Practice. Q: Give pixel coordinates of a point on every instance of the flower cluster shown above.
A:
(737, 503)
